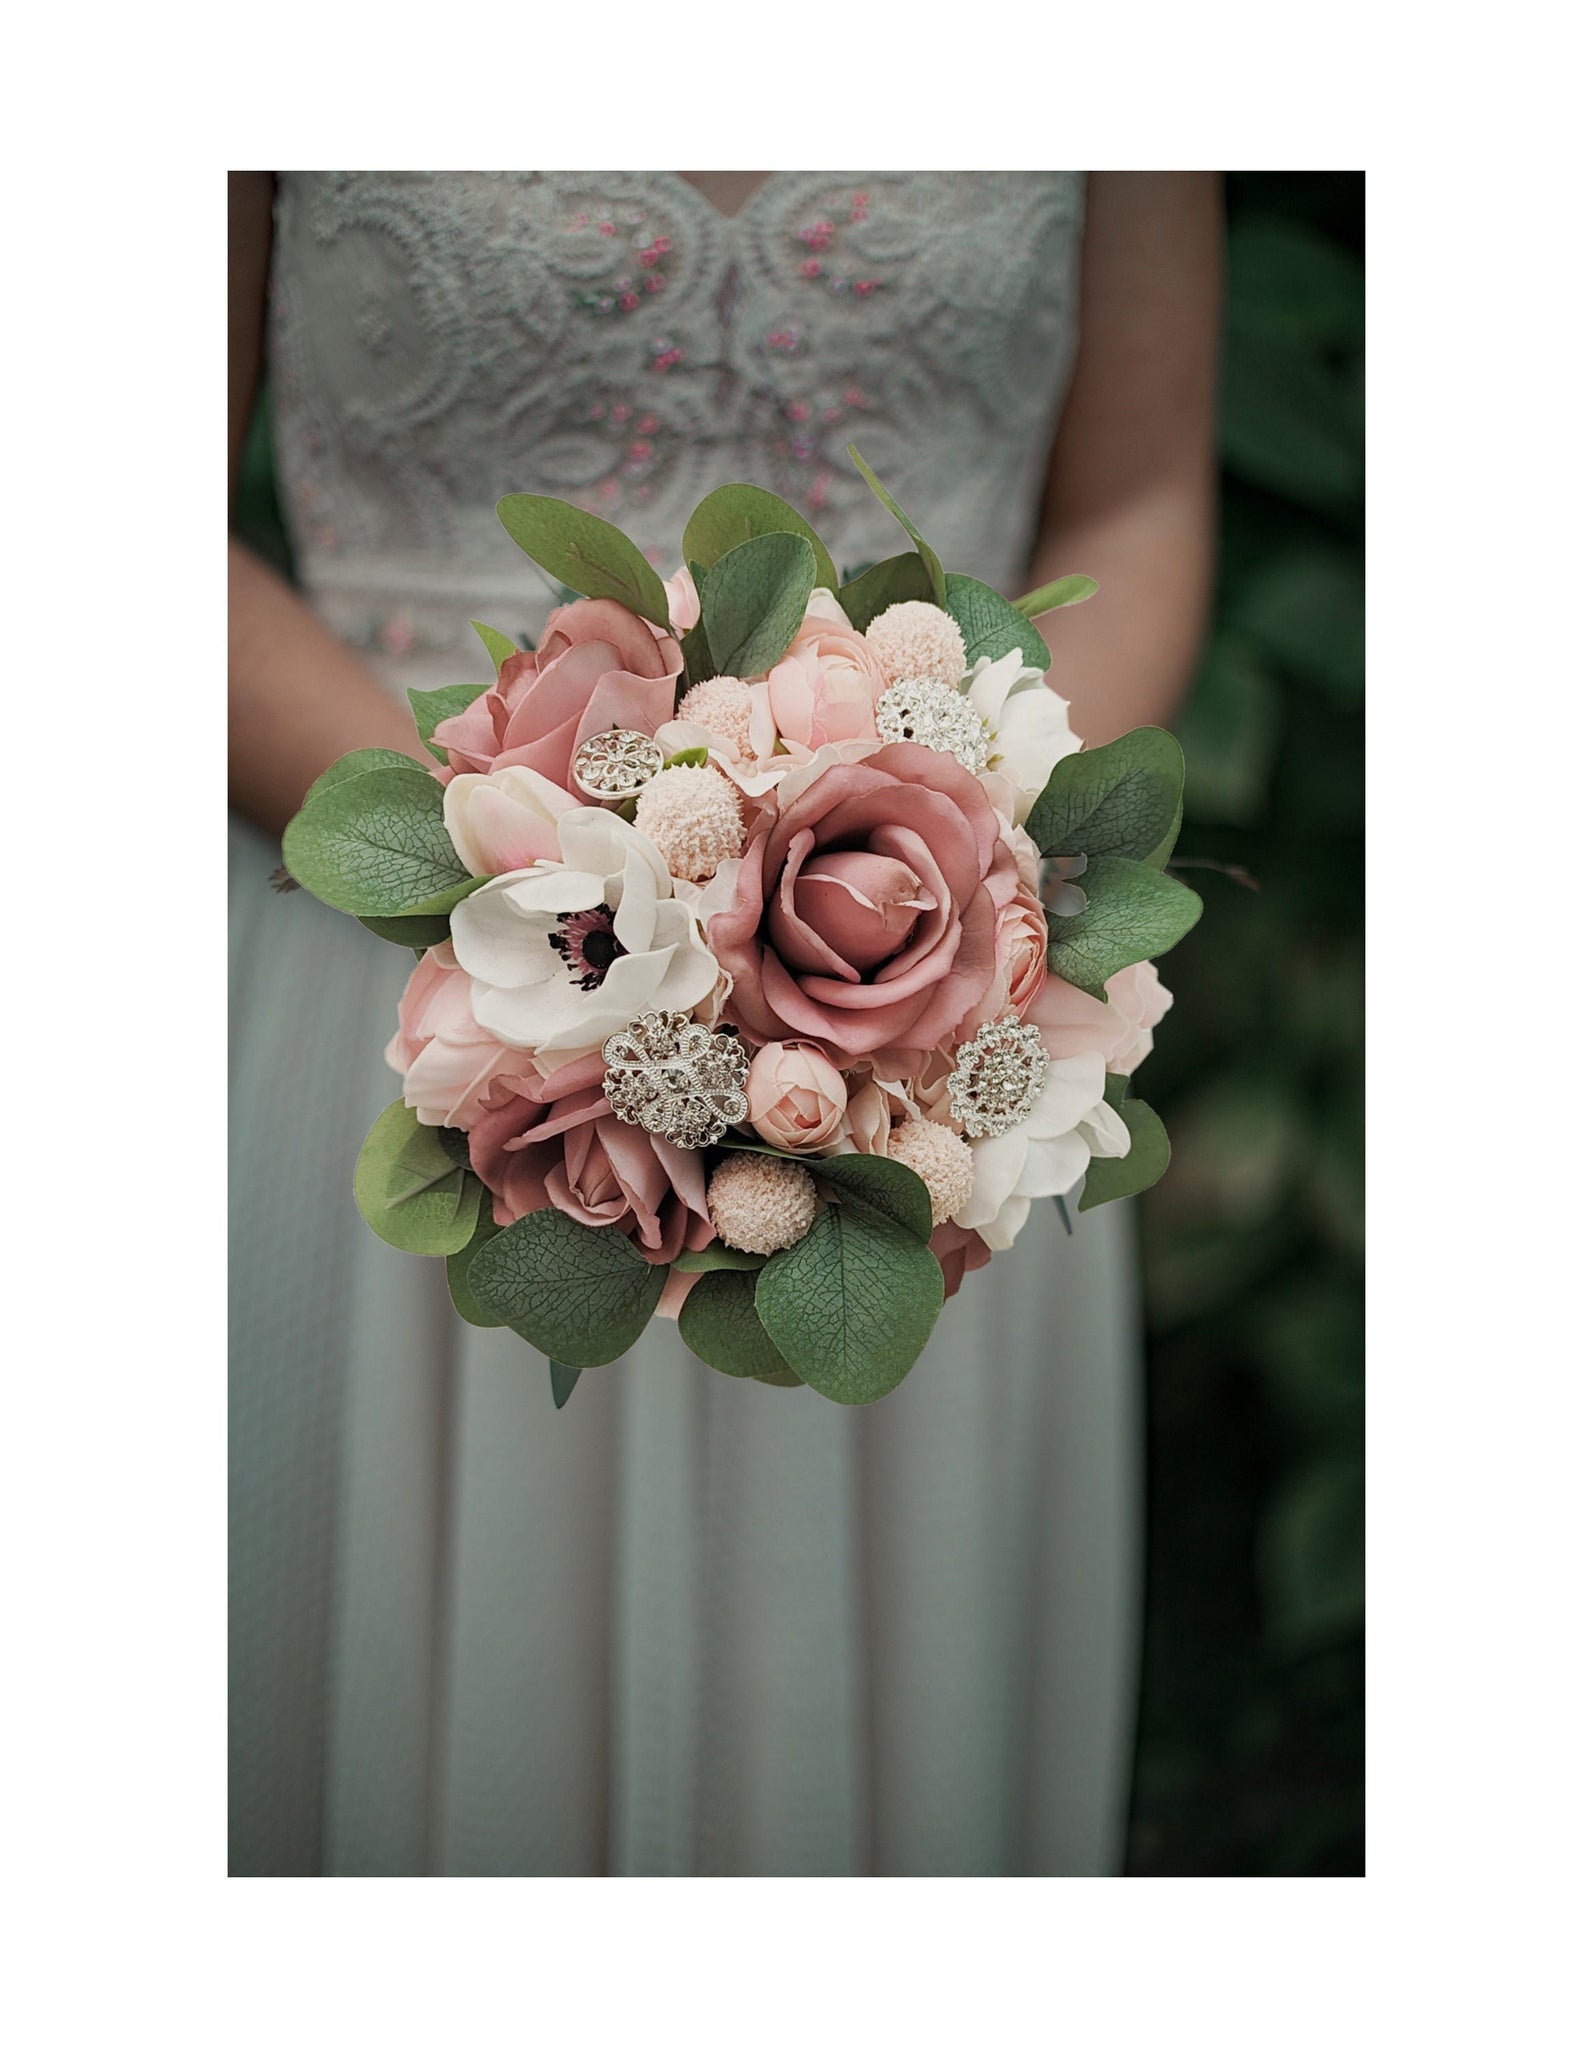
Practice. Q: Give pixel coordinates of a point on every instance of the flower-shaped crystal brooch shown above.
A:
(676, 1078)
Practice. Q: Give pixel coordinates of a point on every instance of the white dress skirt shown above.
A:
(686, 1625)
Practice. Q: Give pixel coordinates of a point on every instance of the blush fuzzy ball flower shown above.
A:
(758, 1204)
(723, 704)
(940, 1159)
(919, 640)
(693, 817)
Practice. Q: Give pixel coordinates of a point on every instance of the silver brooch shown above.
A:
(613, 766)
(676, 1078)
(999, 1077)
(934, 715)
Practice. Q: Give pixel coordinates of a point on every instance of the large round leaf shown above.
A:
(851, 1306)
(410, 1188)
(588, 554)
(579, 1293)
(375, 845)
(753, 601)
(738, 512)
(719, 1321)
(1119, 800)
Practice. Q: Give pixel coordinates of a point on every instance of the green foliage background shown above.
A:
(1250, 1755)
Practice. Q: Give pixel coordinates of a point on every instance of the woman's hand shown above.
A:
(1131, 493)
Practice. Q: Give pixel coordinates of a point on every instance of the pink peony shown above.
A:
(597, 666)
(826, 686)
(556, 1143)
(1071, 1022)
(453, 1070)
(865, 907)
(795, 1096)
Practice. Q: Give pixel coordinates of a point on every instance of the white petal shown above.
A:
(1054, 1165)
(1000, 1231)
(992, 680)
(1105, 1132)
(997, 1165)
(530, 1017)
(594, 840)
(1072, 1089)
(1032, 736)
(497, 943)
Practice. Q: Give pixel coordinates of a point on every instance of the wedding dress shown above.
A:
(688, 1624)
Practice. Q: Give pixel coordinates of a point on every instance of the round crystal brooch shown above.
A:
(676, 1078)
(612, 766)
(934, 715)
(999, 1077)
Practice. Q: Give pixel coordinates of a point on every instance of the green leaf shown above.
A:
(738, 512)
(497, 644)
(694, 644)
(883, 1187)
(417, 933)
(990, 626)
(787, 1378)
(719, 1321)
(363, 761)
(431, 707)
(375, 845)
(753, 600)
(688, 757)
(459, 1288)
(899, 579)
(1119, 799)
(562, 1379)
(931, 561)
(575, 1291)
(1051, 597)
(1109, 1180)
(720, 1258)
(1131, 913)
(410, 1191)
(585, 552)
(851, 1305)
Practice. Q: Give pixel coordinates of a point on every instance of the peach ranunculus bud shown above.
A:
(685, 606)
(796, 1097)
(828, 682)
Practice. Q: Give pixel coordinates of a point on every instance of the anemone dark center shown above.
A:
(585, 940)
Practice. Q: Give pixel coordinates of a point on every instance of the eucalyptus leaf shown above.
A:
(899, 579)
(851, 1305)
(882, 1186)
(753, 601)
(1122, 799)
(694, 643)
(363, 761)
(417, 933)
(497, 644)
(937, 575)
(991, 627)
(719, 1321)
(1131, 913)
(562, 1379)
(431, 707)
(577, 1292)
(459, 1288)
(738, 512)
(688, 757)
(1051, 597)
(375, 845)
(409, 1190)
(585, 552)
(1109, 1180)
(786, 1378)
(720, 1258)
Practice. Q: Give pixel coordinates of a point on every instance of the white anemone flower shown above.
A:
(1028, 724)
(1047, 1154)
(562, 953)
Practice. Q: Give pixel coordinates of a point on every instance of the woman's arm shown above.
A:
(297, 696)
(1130, 498)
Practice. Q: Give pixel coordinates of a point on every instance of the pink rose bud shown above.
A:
(795, 1096)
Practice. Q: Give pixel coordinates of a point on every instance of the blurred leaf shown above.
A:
(1311, 1554)
(1288, 423)
(1291, 284)
(1235, 1146)
(1229, 731)
(1309, 610)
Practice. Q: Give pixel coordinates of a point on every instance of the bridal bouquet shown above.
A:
(778, 944)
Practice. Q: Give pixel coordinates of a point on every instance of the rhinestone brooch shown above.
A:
(934, 715)
(999, 1077)
(676, 1078)
(611, 767)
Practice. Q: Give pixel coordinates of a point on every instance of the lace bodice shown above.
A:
(612, 338)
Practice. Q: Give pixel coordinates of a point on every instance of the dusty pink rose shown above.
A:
(1071, 1022)
(795, 1096)
(865, 907)
(453, 1070)
(685, 606)
(826, 686)
(597, 666)
(960, 1252)
(556, 1143)
(1021, 939)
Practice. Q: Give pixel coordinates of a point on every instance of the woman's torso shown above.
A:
(614, 339)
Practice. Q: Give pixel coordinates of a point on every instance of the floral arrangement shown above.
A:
(778, 945)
